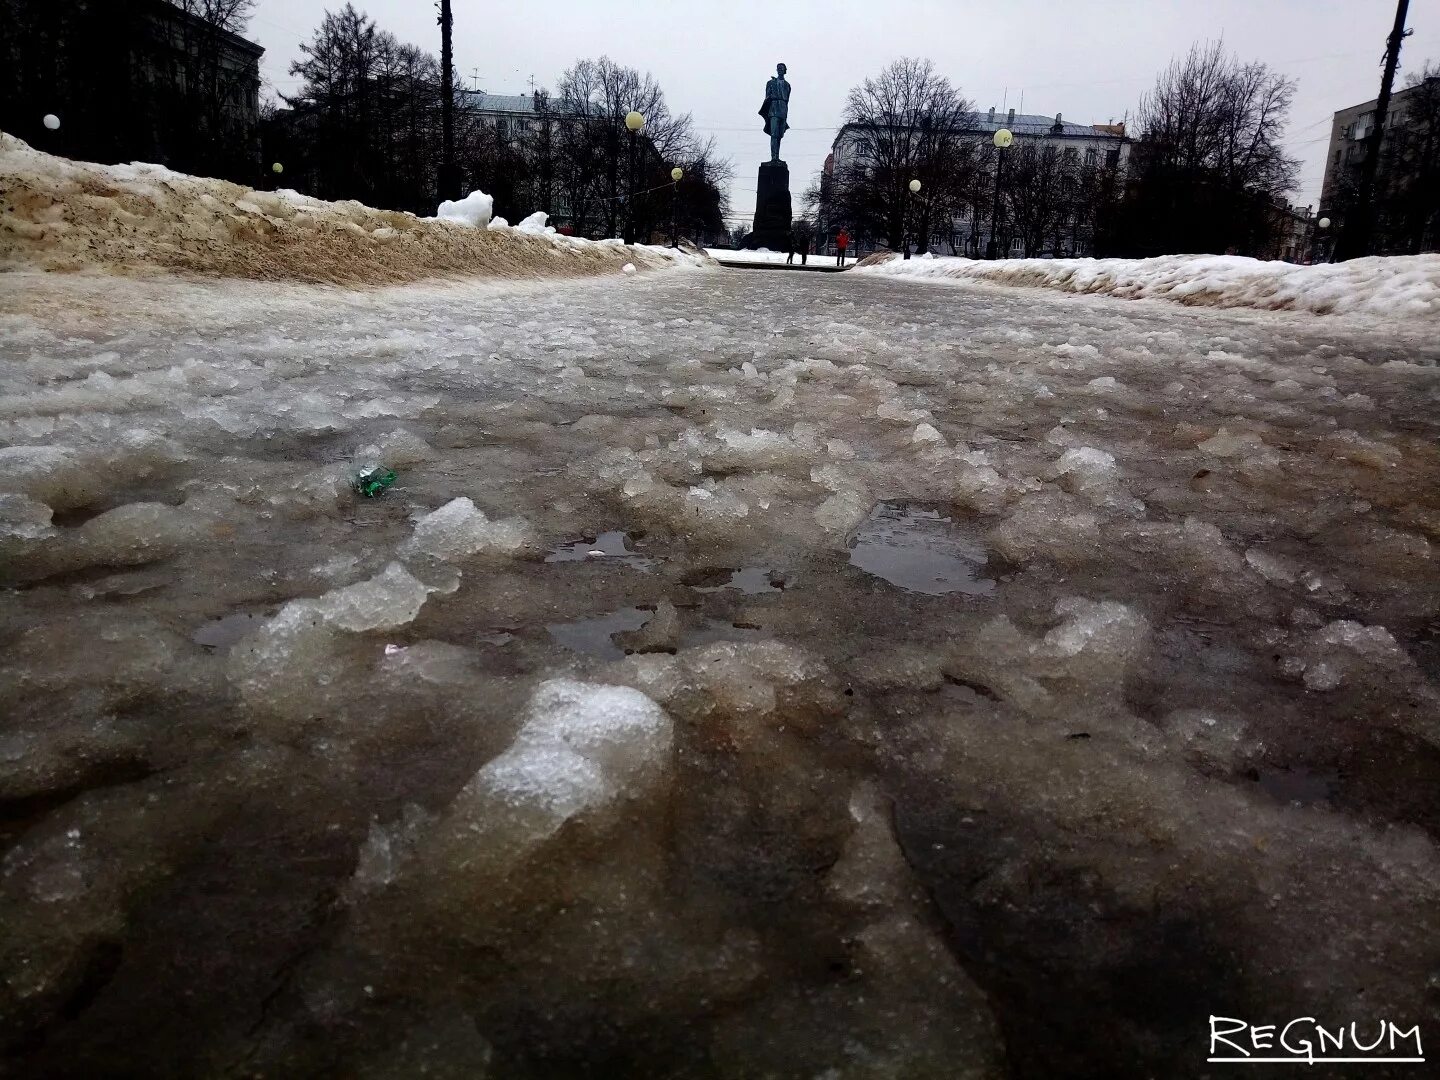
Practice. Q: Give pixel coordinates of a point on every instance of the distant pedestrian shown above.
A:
(789, 250)
(804, 249)
(841, 243)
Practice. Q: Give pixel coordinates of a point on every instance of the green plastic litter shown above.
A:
(372, 481)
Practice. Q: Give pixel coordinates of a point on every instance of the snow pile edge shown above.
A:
(58, 214)
(1391, 286)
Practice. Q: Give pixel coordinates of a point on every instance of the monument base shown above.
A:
(772, 208)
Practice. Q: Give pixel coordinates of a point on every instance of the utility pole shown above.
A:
(449, 177)
(1355, 241)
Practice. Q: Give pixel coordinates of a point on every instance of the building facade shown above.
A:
(1408, 177)
(1083, 150)
(1292, 234)
(131, 80)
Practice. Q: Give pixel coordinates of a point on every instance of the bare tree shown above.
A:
(907, 123)
(1209, 163)
(1036, 194)
(593, 99)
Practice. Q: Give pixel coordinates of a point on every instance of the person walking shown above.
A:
(804, 248)
(841, 243)
(790, 250)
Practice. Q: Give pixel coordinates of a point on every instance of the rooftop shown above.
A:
(1401, 92)
(167, 9)
(1037, 124)
(1031, 124)
(506, 103)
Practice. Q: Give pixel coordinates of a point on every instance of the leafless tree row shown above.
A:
(365, 124)
(1206, 173)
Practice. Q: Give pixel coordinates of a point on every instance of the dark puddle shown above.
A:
(921, 551)
(591, 635)
(1299, 784)
(754, 580)
(594, 635)
(715, 630)
(218, 635)
(608, 546)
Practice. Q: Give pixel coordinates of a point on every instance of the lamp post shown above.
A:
(1322, 239)
(675, 174)
(1003, 139)
(914, 189)
(633, 123)
(449, 174)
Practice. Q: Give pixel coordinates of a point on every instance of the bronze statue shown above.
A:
(776, 109)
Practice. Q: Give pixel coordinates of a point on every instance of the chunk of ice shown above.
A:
(458, 530)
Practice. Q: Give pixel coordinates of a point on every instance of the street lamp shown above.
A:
(675, 174)
(633, 123)
(1003, 139)
(914, 187)
(1323, 224)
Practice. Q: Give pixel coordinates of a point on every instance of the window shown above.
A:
(1092, 156)
(502, 127)
(1072, 155)
(1016, 244)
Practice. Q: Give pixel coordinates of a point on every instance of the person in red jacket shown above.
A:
(841, 243)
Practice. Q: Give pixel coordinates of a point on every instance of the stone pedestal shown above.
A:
(772, 208)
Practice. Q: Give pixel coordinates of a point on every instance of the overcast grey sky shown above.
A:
(1088, 59)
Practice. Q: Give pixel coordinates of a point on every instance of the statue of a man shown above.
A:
(776, 109)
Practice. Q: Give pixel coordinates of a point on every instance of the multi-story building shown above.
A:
(1087, 146)
(131, 79)
(1411, 116)
(1292, 234)
(510, 115)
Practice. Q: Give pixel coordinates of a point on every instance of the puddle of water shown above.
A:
(591, 635)
(920, 551)
(715, 630)
(607, 546)
(1300, 785)
(219, 635)
(755, 580)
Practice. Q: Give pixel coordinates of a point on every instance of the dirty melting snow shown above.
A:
(63, 214)
(1393, 286)
(1048, 587)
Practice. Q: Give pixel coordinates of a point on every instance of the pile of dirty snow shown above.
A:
(68, 215)
(1407, 285)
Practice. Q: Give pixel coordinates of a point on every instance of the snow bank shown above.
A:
(69, 215)
(1406, 285)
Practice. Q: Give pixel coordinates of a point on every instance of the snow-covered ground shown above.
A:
(1405, 287)
(817, 675)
